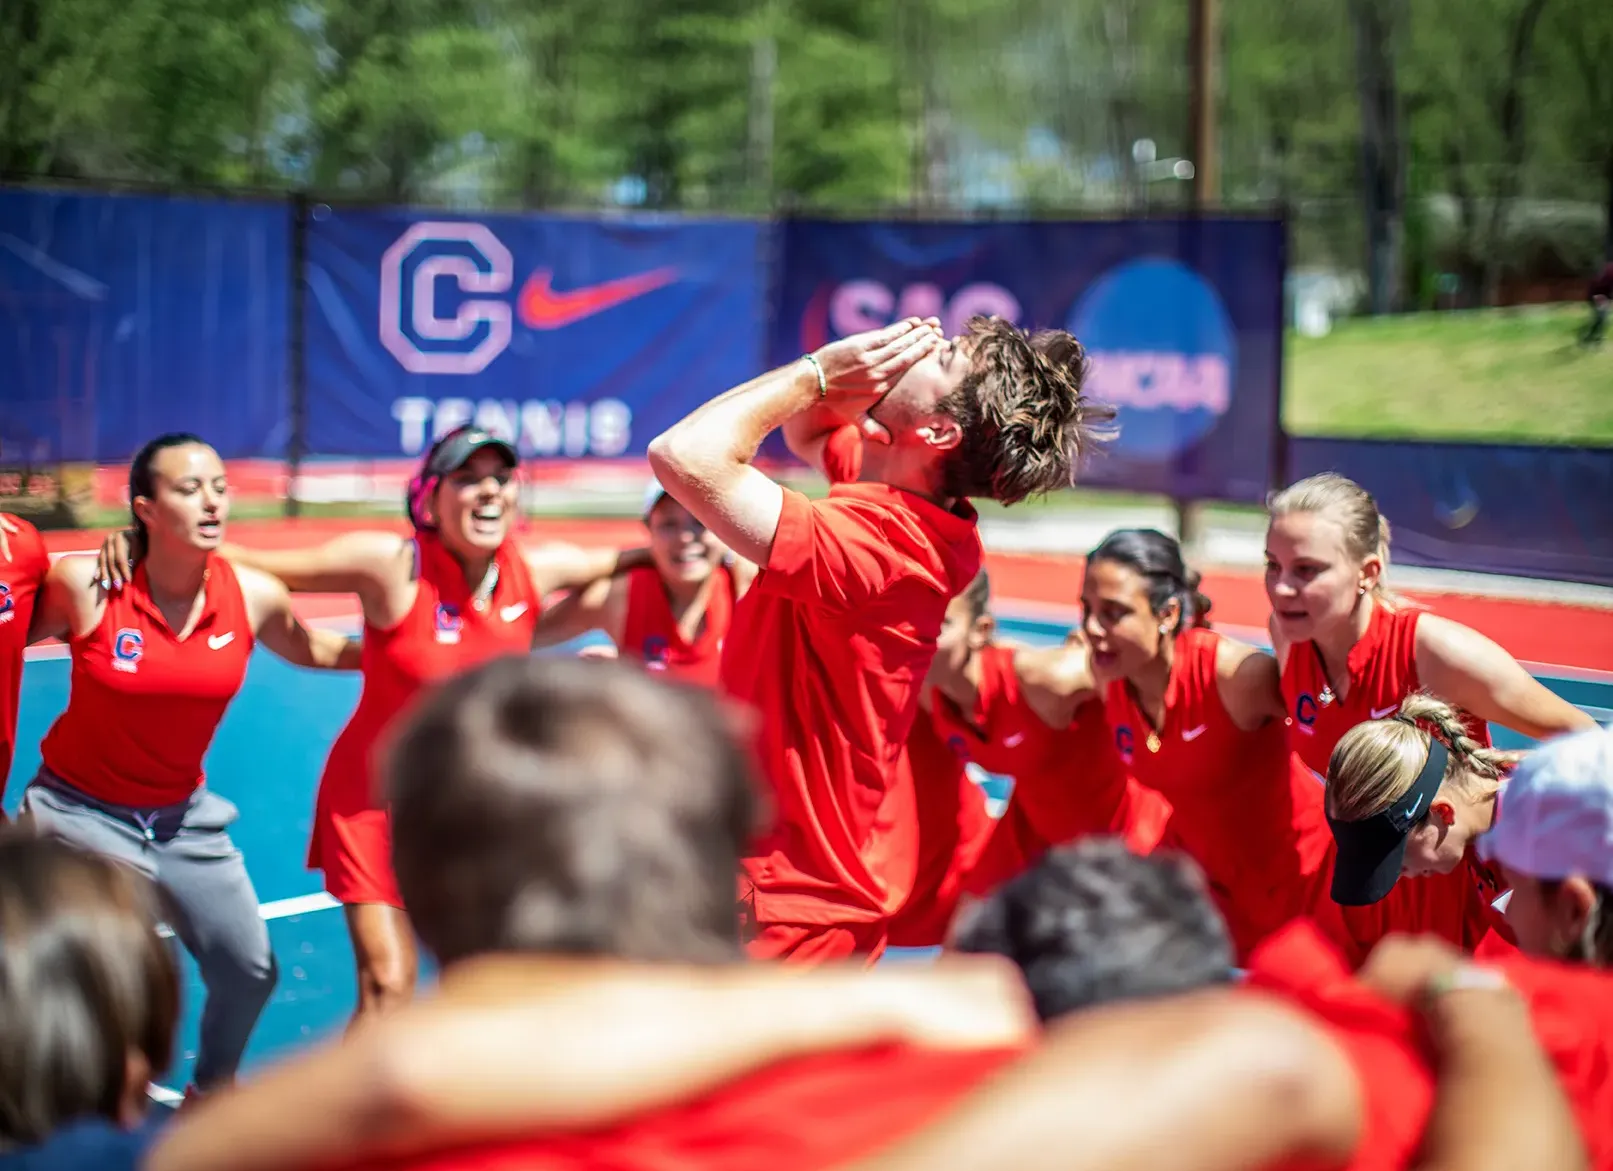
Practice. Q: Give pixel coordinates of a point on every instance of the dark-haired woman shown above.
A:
(457, 592)
(155, 666)
(1199, 718)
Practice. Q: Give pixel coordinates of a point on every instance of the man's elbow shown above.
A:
(679, 460)
(668, 459)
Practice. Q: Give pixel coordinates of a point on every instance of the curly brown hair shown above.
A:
(1026, 424)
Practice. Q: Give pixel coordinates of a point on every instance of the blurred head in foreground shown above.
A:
(571, 807)
(89, 995)
(1093, 923)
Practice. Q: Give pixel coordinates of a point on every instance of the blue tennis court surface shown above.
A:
(267, 759)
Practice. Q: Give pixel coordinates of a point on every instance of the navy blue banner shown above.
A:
(1183, 320)
(1523, 511)
(573, 338)
(124, 317)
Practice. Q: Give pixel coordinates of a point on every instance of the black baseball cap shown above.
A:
(458, 446)
(1371, 851)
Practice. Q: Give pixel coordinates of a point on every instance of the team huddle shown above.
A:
(1208, 861)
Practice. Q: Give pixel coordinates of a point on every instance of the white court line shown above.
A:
(298, 905)
(280, 909)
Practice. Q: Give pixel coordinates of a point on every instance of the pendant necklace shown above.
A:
(484, 592)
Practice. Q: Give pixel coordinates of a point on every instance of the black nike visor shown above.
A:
(1372, 851)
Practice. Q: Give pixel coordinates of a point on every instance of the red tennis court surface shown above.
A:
(1539, 632)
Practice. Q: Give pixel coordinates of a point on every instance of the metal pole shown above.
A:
(1204, 28)
(296, 357)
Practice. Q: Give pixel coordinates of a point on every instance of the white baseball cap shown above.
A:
(652, 496)
(1555, 817)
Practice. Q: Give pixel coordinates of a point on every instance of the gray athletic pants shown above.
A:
(207, 895)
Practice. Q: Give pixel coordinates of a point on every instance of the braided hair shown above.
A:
(1376, 763)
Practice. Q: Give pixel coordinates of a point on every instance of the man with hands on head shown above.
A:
(831, 644)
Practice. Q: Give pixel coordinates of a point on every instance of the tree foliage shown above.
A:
(1441, 133)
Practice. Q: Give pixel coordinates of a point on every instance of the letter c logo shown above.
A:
(490, 271)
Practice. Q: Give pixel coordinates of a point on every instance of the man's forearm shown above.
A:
(731, 427)
(1208, 1083)
(1499, 1104)
(805, 433)
(704, 462)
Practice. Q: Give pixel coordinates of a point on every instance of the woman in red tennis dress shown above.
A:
(1350, 652)
(1035, 714)
(671, 615)
(1198, 717)
(954, 824)
(155, 667)
(459, 591)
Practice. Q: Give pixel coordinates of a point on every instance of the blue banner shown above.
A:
(574, 338)
(1182, 318)
(124, 317)
(1539, 512)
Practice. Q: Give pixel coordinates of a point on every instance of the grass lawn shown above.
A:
(1498, 375)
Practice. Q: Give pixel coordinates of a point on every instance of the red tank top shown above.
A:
(1382, 670)
(1068, 782)
(20, 580)
(1245, 807)
(1457, 907)
(444, 633)
(144, 704)
(650, 631)
(953, 827)
(999, 733)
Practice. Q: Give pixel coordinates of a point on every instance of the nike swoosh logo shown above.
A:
(543, 308)
(1194, 733)
(218, 642)
(1013, 741)
(1379, 713)
(511, 613)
